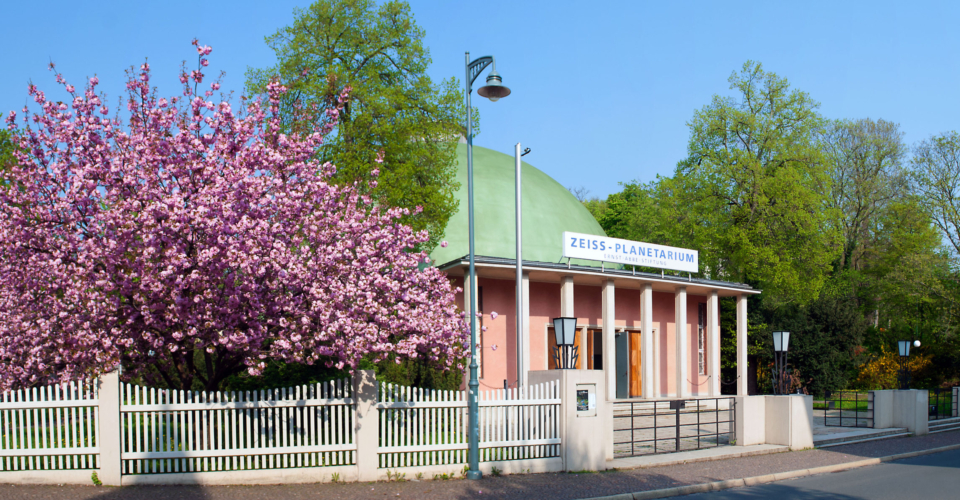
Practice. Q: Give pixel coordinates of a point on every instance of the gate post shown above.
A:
(108, 433)
(366, 433)
(955, 402)
(586, 438)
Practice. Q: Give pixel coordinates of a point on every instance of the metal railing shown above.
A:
(844, 409)
(941, 404)
(648, 427)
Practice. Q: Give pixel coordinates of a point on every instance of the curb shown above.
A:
(768, 478)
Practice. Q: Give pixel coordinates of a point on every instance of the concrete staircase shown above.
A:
(857, 436)
(944, 425)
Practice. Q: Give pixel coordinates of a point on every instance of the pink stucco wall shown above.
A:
(499, 296)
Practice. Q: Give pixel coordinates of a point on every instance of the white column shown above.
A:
(647, 353)
(682, 342)
(524, 317)
(566, 310)
(713, 344)
(742, 345)
(608, 315)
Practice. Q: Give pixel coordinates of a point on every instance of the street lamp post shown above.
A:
(781, 344)
(493, 90)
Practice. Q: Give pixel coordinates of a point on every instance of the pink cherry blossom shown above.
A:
(443, 244)
(191, 230)
(493, 315)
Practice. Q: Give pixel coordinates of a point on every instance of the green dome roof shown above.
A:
(548, 210)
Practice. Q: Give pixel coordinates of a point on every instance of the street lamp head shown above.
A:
(903, 346)
(494, 89)
(916, 343)
(565, 330)
(781, 341)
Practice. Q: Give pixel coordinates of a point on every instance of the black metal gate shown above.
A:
(844, 409)
(648, 427)
(941, 404)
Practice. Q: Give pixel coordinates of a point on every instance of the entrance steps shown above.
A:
(851, 435)
(944, 425)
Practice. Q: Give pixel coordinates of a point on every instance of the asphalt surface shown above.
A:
(558, 486)
(926, 477)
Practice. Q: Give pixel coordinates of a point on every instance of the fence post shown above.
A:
(366, 434)
(108, 435)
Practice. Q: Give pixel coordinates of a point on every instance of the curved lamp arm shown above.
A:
(477, 66)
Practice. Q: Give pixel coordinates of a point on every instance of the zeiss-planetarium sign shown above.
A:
(602, 248)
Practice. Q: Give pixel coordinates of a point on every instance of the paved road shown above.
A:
(928, 477)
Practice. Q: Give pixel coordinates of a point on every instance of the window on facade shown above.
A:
(701, 341)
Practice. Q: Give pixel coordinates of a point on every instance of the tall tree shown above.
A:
(195, 242)
(867, 175)
(750, 189)
(394, 107)
(936, 168)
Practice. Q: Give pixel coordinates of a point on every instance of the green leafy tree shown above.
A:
(936, 168)
(394, 108)
(866, 176)
(750, 190)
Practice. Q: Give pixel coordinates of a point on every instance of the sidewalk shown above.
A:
(546, 486)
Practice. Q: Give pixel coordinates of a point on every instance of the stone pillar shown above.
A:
(682, 342)
(713, 344)
(608, 312)
(523, 316)
(647, 353)
(751, 421)
(742, 345)
(904, 409)
(789, 421)
(108, 434)
(365, 425)
(586, 434)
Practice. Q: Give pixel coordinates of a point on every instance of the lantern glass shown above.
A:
(904, 347)
(565, 330)
(781, 341)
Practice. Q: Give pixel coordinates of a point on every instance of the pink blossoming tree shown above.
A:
(192, 241)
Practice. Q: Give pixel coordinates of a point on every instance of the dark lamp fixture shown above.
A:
(565, 330)
(494, 89)
(904, 348)
(781, 341)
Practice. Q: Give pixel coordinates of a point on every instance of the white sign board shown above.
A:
(592, 247)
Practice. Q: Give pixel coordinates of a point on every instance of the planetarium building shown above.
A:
(626, 321)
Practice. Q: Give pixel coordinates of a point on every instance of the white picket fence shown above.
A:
(50, 428)
(164, 431)
(185, 431)
(421, 427)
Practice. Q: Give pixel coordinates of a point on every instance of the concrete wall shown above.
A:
(781, 420)
(901, 409)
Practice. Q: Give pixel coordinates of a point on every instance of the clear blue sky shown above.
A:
(602, 91)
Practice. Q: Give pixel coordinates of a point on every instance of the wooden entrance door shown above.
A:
(635, 387)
